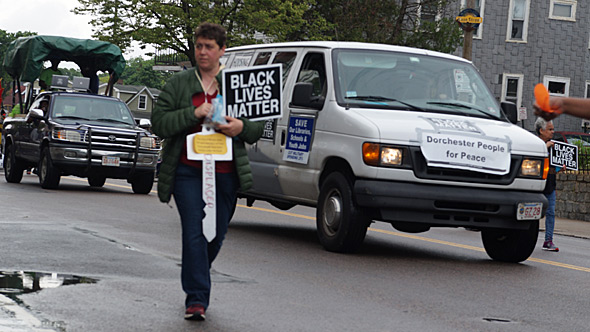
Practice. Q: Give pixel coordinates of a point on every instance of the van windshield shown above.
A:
(397, 80)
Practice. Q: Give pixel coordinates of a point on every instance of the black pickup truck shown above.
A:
(81, 134)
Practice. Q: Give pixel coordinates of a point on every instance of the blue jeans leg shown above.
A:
(550, 217)
(197, 253)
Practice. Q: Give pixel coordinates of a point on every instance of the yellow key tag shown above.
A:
(210, 144)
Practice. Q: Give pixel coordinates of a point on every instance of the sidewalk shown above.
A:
(568, 227)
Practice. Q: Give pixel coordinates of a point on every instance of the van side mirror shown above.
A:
(302, 96)
(510, 110)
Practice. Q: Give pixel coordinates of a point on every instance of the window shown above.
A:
(479, 6)
(512, 88)
(262, 58)
(429, 12)
(313, 70)
(286, 59)
(557, 86)
(563, 10)
(587, 89)
(142, 102)
(518, 18)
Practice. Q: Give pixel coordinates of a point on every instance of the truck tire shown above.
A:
(142, 183)
(13, 168)
(96, 180)
(341, 225)
(49, 175)
(509, 245)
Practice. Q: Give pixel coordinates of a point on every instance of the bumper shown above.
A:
(444, 205)
(75, 159)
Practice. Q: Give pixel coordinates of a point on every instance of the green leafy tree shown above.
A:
(169, 24)
(140, 72)
(425, 24)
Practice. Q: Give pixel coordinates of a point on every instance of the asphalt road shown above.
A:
(272, 274)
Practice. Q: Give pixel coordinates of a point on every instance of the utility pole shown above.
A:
(468, 36)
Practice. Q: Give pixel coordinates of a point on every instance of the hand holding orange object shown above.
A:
(542, 99)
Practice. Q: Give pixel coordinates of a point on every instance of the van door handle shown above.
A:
(283, 137)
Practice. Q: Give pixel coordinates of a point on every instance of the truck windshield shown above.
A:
(93, 109)
(397, 80)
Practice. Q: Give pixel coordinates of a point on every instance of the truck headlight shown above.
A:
(68, 135)
(377, 155)
(147, 142)
(534, 168)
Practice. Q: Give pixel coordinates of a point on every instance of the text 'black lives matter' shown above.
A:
(254, 93)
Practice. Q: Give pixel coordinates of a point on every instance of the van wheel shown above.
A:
(96, 180)
(142, 183)
(13, 168)
(49, 175)
(341, 225)
(508, 245)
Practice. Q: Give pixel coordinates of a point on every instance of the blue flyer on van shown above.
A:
(299, 139)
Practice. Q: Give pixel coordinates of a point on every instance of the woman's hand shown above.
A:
(233, 127)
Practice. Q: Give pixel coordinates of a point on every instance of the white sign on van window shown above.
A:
(469, 152)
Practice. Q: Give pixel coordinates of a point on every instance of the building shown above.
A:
(140, 99)
(524, 42)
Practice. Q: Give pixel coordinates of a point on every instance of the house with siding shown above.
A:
(524, 42)
(140, 99)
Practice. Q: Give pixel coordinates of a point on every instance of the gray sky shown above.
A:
(48, 17)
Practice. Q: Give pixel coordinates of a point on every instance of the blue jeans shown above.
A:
(197, 253)
(550, 216)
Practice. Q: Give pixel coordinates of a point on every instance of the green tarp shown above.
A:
(25, 56)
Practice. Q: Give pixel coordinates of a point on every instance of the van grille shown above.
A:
(423, 171)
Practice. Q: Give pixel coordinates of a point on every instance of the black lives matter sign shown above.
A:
(254, 93)
(564, 154)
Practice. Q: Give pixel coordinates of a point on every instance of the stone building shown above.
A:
(524, 42)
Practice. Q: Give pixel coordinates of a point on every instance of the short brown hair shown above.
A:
(212, 31)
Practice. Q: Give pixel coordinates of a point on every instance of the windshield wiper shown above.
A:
(442, 103)
(380, 98)
(71, 117)
(112, 120)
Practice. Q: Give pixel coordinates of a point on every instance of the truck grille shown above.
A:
(423, 171)
(111, 139)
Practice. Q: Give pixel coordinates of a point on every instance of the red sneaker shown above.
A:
(549, 246)
(195, 312)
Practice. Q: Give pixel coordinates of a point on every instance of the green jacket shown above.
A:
(173, 117)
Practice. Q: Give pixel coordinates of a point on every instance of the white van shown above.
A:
(401, 135)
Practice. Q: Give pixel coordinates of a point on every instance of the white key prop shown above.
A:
(209, 146)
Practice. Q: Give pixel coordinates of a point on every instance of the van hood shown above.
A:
(409, 127)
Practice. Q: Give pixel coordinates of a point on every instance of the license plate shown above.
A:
(110, 161)
(529, 211)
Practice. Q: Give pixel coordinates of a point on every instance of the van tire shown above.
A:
(13, 168)
(509, 245)
(49, 175)
(341, 225)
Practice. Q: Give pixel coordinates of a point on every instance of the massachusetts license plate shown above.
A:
(110, 161)
(529, 211)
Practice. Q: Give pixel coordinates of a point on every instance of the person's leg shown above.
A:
(195, 277)
(550, 217)
(226, 186)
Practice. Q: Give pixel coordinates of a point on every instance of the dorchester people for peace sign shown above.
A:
(201, 186)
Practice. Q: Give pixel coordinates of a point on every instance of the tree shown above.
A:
(170, 24)
(140, 72)
(418, 23)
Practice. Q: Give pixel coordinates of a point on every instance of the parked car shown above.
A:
(572, 137)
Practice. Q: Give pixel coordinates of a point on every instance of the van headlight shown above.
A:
(147, 142)
(534, 168)
(375, 154)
